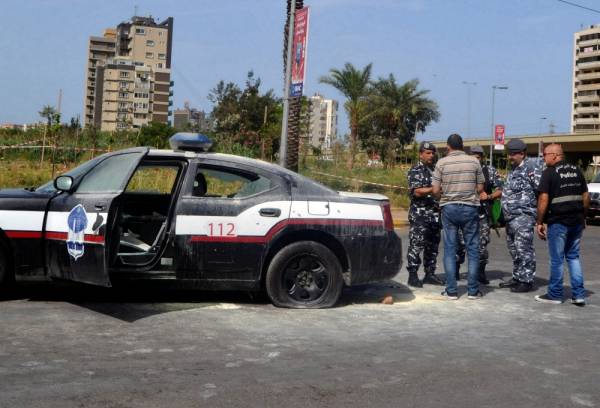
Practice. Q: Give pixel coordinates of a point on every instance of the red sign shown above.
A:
(299, 51)
(499, 135)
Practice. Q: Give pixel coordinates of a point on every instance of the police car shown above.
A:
(213, 221)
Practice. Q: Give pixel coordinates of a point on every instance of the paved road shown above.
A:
(65, 347)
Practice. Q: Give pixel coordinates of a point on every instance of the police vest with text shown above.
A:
(567, 199)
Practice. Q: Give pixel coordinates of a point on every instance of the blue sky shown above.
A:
(523, 44)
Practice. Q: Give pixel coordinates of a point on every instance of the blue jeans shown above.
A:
(563, 243)
(466, 218)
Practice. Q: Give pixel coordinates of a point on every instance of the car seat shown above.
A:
(199, 185)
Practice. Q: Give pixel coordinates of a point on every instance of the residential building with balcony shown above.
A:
(585, 107)
(130, 86)
(323, 118)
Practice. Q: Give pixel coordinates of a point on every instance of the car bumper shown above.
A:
(374, 259)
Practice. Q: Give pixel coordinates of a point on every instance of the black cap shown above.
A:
(516, 146)
(426, 146)
(476, 150)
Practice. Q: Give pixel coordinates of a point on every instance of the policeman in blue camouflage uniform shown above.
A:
(492, 190)
(424, 219)
(519, 206)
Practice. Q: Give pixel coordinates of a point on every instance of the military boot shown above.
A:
(481, 277)
(431, 279)
(413, 280)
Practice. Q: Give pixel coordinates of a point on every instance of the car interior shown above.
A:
(141, 214)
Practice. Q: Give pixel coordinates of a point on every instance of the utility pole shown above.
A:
(469, 85)
(286, 88)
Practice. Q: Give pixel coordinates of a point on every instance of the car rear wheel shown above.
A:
(304, 275)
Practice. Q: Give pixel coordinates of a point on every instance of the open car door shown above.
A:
(79, 222)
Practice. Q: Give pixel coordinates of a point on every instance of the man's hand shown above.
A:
(483, 196)
(541, 231)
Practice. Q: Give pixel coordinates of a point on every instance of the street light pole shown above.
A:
(286, 88)
(494, 87)
(469, 85)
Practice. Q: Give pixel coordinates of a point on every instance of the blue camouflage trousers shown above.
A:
(423, 237)
(519, 238)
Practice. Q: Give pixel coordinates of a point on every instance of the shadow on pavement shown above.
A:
(375, 293)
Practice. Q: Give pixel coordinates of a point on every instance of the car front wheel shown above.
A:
(304, 275)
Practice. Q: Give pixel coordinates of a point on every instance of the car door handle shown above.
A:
(270, 212)
(100, 206)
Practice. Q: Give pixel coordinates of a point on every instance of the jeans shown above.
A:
(465, 218)
(563, 243)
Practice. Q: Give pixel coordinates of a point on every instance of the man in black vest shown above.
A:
(562, 204)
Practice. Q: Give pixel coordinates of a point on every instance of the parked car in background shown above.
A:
(594, 192)
(208, 220)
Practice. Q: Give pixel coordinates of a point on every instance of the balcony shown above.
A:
(589, 87)
(588, 98)
(586, 121)
(587, 109)
(172, 83)
(581, 54)
(588, 43)
(584, 77)
(592, 64)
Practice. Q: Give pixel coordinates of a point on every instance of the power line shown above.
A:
(579, 5)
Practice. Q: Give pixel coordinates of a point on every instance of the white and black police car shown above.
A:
(203, 220)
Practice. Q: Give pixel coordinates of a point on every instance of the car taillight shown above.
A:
(388, 222)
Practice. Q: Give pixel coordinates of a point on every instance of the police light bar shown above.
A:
(194, 142)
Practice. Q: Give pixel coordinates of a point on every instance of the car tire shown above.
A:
(304, 275)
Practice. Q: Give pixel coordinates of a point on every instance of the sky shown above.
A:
(526, 45)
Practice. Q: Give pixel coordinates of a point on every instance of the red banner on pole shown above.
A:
(299, 51)
(499, 135)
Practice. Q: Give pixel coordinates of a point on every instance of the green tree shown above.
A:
(394, 113)
(353, 83)
(155, 135)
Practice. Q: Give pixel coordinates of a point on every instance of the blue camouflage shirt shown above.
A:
(519, 192)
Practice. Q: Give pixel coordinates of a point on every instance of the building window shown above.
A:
(141, 95)
(124, 74)
(149, 55)
(160, 33)
(159, 65)
(140, 116)
(123, 95)
(149, 43)
(140, 31)
(162, 56)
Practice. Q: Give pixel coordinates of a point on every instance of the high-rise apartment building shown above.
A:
(128, 77)
(586, 81)
(322, 128)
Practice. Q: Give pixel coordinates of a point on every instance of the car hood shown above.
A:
(594, 187)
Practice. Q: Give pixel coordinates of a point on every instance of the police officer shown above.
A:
(519, 206)
(424, 219)
(492, 190)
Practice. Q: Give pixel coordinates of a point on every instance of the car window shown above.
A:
(597, 178)
(110, 175)
(153, 179)
(75, 173)
(228, 184)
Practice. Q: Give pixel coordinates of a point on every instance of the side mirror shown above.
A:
(63, 183)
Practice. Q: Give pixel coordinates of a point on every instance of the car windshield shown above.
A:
(596, 179)
(75, 173)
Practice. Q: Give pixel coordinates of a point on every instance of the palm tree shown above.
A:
(398, 110)
(293, 130)
(353, 83)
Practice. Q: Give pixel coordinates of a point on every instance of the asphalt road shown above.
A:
(82, 347)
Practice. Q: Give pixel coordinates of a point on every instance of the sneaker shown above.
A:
(475, 296)
(547, 299)
(509, 284)
(578, 302)
(449, 296)
(522, 287)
